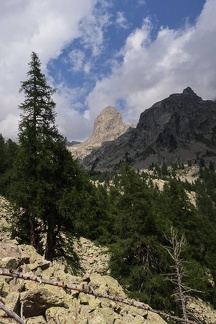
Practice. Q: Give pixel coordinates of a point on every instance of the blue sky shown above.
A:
(125, 53)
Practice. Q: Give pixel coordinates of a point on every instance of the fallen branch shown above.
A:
(11, 314)
(87, 290)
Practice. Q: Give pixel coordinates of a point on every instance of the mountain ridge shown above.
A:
(178, 129)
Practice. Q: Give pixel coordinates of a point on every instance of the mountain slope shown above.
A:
(178, 129)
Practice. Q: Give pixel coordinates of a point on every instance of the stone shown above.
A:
(30, 256)
(154, 318)
(84, 298)
(59, 315)
(13, 301)
(9, 250)
(102, 315)
(94, 303)
(201, 310)
(16, 285)
(9, 263)
(59, 270)
(128, 318)
(36, 301)
(92, 258)
(138, 320)
(125, 309)
(4, 287)
(43, 264)
(6, 215)
(36, 320)
(7, 320)
(106, 285)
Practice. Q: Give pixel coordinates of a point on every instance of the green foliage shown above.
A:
(48, 184)
(8, 151)
(135, 221)
(124, 210)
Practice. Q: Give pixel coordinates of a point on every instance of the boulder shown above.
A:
(9, 263)
(13, 301)
(59, 315)
(36, 320)
(37, 301)
(33, 260)
(106, 285)
(10, 255)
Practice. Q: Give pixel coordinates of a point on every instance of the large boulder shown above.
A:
(10, 255)
(37, 301)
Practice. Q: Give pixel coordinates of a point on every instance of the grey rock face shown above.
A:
(180, 128)
(107, 127)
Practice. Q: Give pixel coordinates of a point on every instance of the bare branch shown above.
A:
(177, 247)
(11, 314)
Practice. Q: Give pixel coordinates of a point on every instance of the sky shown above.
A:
(125, 53)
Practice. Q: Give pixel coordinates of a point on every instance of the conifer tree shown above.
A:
(46, 177)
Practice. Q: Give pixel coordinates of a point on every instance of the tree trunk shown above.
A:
(51, 238)
(33, 240)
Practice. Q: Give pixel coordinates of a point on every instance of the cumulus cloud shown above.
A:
(146, 70)
(152, 69)
(43, 26)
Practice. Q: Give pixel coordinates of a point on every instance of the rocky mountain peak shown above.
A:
(189, 91)
(108, 126)
(179, 128)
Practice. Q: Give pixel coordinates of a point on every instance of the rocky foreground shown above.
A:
(39, 303)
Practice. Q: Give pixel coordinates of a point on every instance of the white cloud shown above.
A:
(153, 69)
(77, 58)
(121, 20)
(92, 29)
(141, 2)
(149, 70)
(43, 26)
(72, 123)
(87, 67)
(79, 62)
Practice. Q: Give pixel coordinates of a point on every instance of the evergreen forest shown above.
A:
(142, 225)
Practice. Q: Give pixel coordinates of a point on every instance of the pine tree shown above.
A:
(136, 254)
(7, 153)
(47, 179)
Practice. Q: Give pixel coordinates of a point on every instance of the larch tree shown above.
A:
(46, 178)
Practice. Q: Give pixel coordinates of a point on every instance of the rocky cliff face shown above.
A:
(107, 127)
(180, 128)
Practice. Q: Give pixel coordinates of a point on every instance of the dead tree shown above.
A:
(175, 251)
